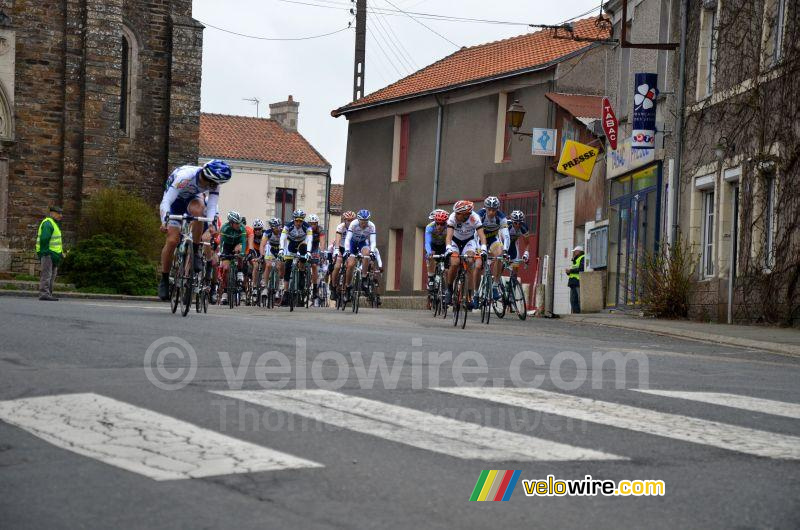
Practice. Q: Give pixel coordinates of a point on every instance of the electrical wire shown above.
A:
(274, 38)
(386, 55)
(423, 24)
(394, 43)
(390, 47)
(400, 44)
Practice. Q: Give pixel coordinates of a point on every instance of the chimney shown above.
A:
(285, 113)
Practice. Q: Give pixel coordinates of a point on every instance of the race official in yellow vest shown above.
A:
(574, 279)
(50, 251)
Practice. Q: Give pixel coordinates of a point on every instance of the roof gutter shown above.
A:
(531, 69)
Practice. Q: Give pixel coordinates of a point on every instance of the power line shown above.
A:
(394, 46)
(423, 24)
(274, 38)
(386, 55)
(400, 43)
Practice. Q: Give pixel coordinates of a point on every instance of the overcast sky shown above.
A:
(319, 72)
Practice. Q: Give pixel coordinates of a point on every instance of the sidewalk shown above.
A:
(780, 340)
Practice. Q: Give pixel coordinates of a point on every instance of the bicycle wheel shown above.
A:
(231, 285)
(187, 274)
(464, 301)
(500, 306)
(174, 291)
(356, 289)
(198, 302)
(442, 290)
(488, 299)
(292, 287)
(517, 298)
(457, 294)
(205, 295)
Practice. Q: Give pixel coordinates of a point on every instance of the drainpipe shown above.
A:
(679, 122)
(437, 162)
(327, 205)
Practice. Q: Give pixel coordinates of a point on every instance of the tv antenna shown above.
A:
(254, 101)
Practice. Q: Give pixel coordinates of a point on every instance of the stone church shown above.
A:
(93, 93)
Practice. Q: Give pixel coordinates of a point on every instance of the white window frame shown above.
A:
(773, 36)
(707, 52)
(707, 264)
(769, 222)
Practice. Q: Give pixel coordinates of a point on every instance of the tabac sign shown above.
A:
(577, 160)
(610, 123)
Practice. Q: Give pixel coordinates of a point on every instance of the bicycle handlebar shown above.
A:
(188, 217)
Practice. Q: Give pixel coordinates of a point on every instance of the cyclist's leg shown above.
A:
(496, 250)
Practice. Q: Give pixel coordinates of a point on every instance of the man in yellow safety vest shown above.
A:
(574, 279)
(50, 251)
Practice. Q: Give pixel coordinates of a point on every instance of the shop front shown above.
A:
(634, 214)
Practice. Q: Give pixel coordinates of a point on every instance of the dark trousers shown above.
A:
(575, 298)
(48, 276)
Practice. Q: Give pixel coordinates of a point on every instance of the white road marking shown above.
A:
(415, 428)
(674, 426)
(140, 440)
(765, 406)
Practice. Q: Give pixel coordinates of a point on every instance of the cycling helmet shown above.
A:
(364, 215)
(298, 214)
(349, 215)
(440, 216)
(517, 216)
(217, 171)
(463, 207)
(491, 202)
(258, 224)
(234, 217)
(275, 222)
(313, 218)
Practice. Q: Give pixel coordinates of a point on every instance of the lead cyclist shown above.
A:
(185, 192)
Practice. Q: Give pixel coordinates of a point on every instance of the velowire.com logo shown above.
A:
(495, 485)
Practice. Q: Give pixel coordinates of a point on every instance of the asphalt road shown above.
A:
(308, 436)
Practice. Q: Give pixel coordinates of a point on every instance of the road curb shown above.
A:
(85, 296)
(777, 347)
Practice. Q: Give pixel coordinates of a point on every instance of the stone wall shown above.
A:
(68, 140)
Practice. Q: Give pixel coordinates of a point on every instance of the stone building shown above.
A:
(275, 169)
(93, 93)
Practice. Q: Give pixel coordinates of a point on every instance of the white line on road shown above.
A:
(140, 440)
(765, 406)
(415, 428)
(674, 426)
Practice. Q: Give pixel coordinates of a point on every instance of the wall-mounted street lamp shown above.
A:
(723, 148)
(515, 115)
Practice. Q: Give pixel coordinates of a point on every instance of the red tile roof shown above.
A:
(484, 62)
(578, 105)
(258, 139)
(337, 197)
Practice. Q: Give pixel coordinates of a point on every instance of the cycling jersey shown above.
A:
(341, 230)
(495, 228)
(257, 240)
(514, 234)
(316, 236)
(230, 237)
(293, 236)
(249, 232)
(435, 238)
(184, 187)
(358, 237)
(466, 230)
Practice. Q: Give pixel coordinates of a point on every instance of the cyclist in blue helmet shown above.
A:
(187, 189)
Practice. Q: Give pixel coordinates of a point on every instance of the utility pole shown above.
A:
(361, 48)
(255, 101)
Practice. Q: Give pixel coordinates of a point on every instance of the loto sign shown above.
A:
(610, 123)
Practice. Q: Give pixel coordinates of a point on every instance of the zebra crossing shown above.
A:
(162, 447)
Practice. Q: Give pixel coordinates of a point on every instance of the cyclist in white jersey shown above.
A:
(361, 239)
(296, 239)
(185, 191)
(462, 227)
(338, 248)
